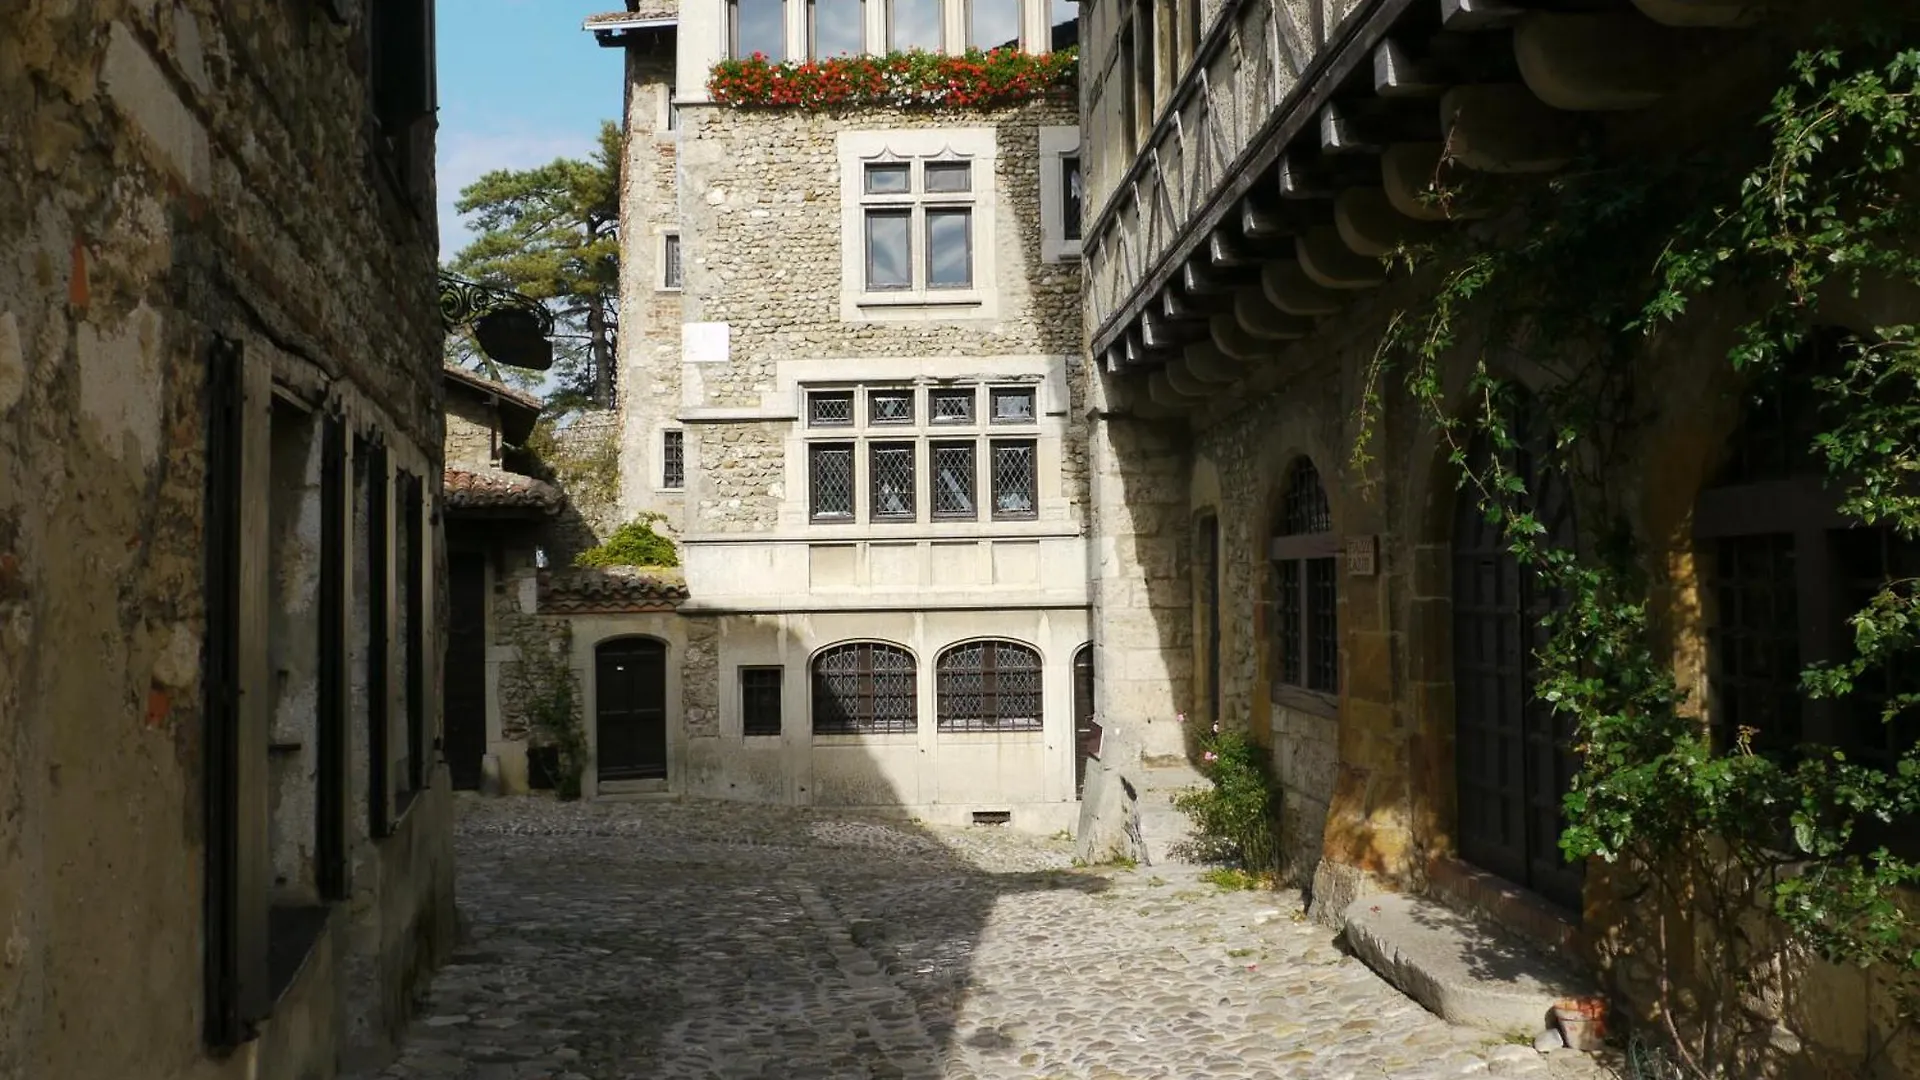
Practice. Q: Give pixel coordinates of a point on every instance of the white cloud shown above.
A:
(465, 157)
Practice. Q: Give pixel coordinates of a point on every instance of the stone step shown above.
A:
(1465, 971)
(1161, 829)
(634, 791)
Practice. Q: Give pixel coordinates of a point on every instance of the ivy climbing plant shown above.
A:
(1815, 204)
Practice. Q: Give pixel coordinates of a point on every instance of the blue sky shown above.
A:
(520, 85)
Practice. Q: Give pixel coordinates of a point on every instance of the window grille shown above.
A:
(989, 686)
(892, 476)
(1014, 480)
(1013, 405)
(1865, 560)
(670, 261)
(952, 406)
(673, 459)
(1306, 585)
(890, 407)
(760, 700)
(953, 481)
(832, 481)
(864, 688)
(1754, 642)
(832, 408)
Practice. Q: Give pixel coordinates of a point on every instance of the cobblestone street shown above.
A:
(613, 941)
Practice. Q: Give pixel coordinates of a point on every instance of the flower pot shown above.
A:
(1582, 1022)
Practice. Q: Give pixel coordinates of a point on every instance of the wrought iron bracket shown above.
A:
(511, 328)
(464, 302)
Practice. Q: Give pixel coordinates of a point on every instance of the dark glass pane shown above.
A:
(949, 249)
(832, 481)
(838, 27)
(993, 24)
(760, 700)
(760, 27)
(1867, 561)
(1063, 16)
(1754, 643)
(1323, 642)
(864, 689)
(673, 461)
(1071, 195)
(1306, 508)
(949, 177)
(1287, 621)
(1014, 480)
(953, 480)
(670, 261)
(888, 259)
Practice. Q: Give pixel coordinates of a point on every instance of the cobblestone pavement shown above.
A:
(669, 940)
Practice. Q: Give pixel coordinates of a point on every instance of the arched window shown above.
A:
(989, 686)
(865, 688)
(1305, 556)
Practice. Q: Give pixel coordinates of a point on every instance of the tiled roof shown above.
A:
(492, 490)
(619, 590)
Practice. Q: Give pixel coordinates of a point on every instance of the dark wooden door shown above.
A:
(1086, 736)
(1514, 754)
(630, 680)
(464, 691)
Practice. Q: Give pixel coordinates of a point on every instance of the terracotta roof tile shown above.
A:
(494, 490)
(580, 591)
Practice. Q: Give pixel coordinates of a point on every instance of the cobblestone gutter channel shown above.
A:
(618, 941)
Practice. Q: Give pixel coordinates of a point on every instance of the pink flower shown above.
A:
(1209, 756)
(1179, 718)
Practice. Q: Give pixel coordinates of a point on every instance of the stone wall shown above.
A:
(172, 172)
(649, 310)
(471, 436)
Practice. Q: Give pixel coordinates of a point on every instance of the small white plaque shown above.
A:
(704, 342)
(1362, 556)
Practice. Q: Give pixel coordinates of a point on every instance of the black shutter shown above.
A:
(379, 636)
(235, 910)
(412, 505)
(330, 804)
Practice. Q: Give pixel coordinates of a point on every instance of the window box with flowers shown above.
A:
(977, 80)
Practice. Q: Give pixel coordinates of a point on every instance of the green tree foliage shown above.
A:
(632, 544)
(553, 233)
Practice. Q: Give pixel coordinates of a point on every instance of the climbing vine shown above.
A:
(1813, 206)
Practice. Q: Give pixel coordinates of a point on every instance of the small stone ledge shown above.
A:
(1464, 971)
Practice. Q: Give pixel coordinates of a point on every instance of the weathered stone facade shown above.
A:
(192, 191)
(1202, 422)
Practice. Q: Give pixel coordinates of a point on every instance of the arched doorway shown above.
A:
(630, 715)
(1514, 758)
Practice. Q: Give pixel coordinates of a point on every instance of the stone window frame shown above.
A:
(917, 147)
(968, 694)
(756, 702)
(1058, 144)
(665, 479)
(864, 434)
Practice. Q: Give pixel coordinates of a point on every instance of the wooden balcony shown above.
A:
(1304, 142)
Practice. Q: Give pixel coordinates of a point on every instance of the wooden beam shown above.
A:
(1398, 73)
(1329, 262)
(1479, 14)
(1161, 392)
(1288, 288)
(1237, 343)
(1185, 382)
(1370, 226)
(1506, 129)
(1224, 250)
(1201, 279)
(1258, 316)
(1715, 14)
(1260, 222)
(1604, 61)
(1206, 361)
(1298, 180)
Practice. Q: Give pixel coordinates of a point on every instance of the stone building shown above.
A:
(849, 360)
(224, 832)
(1249, 164)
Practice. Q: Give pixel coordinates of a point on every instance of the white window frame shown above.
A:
(1056, 145)
(917, 147)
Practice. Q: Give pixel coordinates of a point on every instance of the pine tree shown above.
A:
(553, 233)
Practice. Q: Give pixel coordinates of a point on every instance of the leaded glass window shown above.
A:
(953, 481)
(864, 688)
(890, 406)
(892, 473)
(989, 686)
(952, 406)
(1014, 479)
(1013, 405)
(830, 408)
(1306, 585)
(831, 481)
